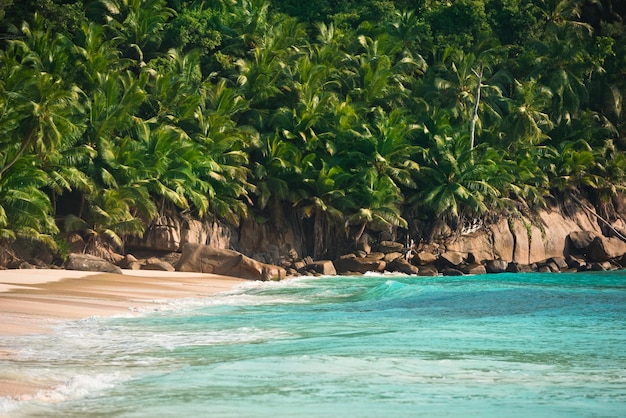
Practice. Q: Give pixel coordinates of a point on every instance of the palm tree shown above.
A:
(96, 54)
(41, 108)
(378, 203)
(175, 88)
(222, 161)
(571, 166)
(562, 64)
(161, 160)
(467, 86)
(554, 15)
(528, 122)
(457, 180)
(112, 106)
(412, 32)
(393, 153)
(25, 209)
(325, 197)
(277, 168)
(111, 214)
(138, 26)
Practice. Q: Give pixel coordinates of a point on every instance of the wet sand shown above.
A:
(32, 301)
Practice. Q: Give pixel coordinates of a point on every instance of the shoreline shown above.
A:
(33, 301)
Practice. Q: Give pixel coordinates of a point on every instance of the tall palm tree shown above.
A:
(42, 109)
(528, 122)
(456, 179)
(223, 162)
(562, 63)
(378, 203)
(111, 214)
(96, 54)
(138, 26)
(467, 86)
(25, 209)
(393, 153)
(554, 15)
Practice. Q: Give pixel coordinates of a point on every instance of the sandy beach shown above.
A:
(31, 301)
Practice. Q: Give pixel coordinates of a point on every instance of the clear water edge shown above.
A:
(494, 345)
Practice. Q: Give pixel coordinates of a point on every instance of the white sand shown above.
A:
(31, 301)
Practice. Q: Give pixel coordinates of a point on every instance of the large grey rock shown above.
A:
(325, 267)
(162, 235)
(128, 262)
(375, 255)
(601, 266)
(428, 270)
(551, 266)
(389, 247)
(423, 258)
(575, 262)
(389, 257)
(453, 258)
(606, 248)
(504, 242)
(525, 240)
(363, 245)
(205, 259)
(515, 267)
(474, 268)
(403, 266)
(88, 262)
(154, 263)
(478, 243)
(496, 266)
(449, 271)
(359, 265)
(559, 262)
(580, 240)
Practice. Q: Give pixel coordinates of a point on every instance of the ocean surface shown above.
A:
(523, 345)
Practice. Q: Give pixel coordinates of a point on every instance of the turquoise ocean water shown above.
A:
(527, 345)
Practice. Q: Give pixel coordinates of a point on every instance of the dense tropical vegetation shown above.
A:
(350, 114)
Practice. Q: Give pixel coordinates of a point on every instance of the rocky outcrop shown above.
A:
(171, 233)
(403, 266)
(474, 268)
(525, 240)
(325, 267)
(154, 263)
(496, 266)
(88, 262)
(606, 248)
(423, 258)
(452, 258)
(206, 259)
(579, 241)
(359, 265)
(387, 247)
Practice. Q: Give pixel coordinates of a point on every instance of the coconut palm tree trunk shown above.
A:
(25, 144)
(479, 76)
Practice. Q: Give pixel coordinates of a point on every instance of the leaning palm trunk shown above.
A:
(479, 77)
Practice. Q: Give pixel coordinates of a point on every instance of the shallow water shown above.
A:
(522, 345)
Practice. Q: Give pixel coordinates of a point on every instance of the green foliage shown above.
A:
(459, 22)
(349, 113)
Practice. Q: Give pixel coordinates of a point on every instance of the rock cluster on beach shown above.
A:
(586, 251)
(554, 240)
(600, 254)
